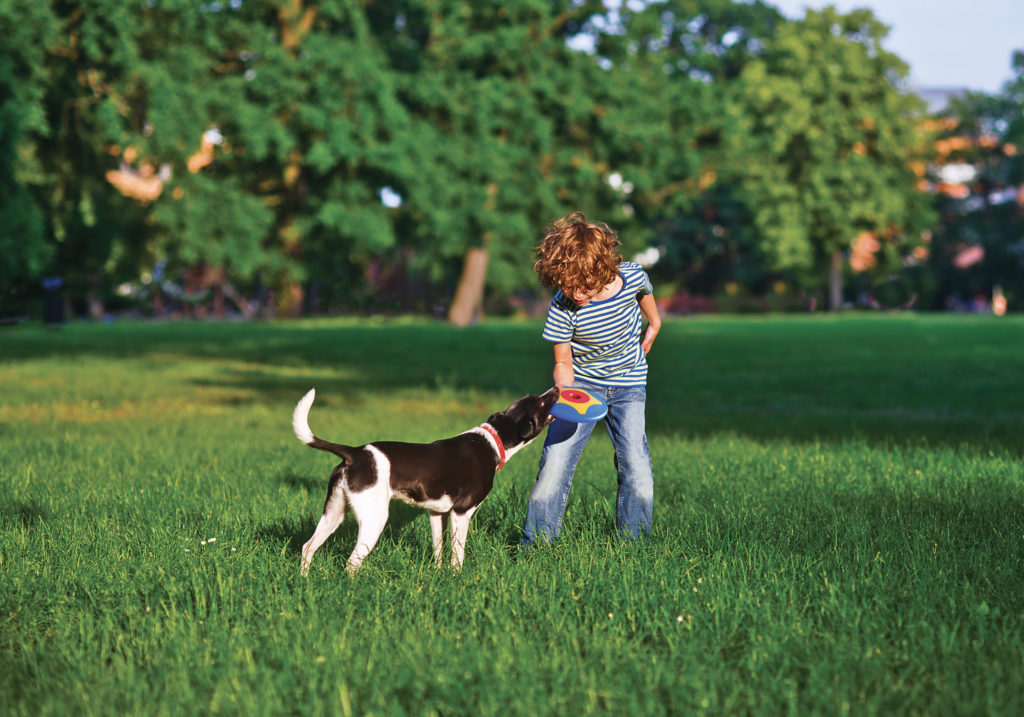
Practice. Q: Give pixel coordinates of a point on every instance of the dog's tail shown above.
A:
(300, 424)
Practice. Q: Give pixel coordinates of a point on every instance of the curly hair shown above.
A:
(577, 255)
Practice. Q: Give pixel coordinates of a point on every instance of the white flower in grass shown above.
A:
(610, 616)
(679, 618)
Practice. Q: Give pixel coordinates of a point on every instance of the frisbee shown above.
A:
(576, 405)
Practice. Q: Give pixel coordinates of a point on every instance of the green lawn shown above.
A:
(839, 525)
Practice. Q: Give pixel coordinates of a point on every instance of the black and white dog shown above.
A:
(450, 477)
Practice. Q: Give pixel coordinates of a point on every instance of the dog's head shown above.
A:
(525, 419)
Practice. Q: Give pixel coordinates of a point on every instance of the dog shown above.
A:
(449, 477)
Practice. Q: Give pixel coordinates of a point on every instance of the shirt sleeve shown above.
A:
(646, 287)
(637, 278)
(558, 328)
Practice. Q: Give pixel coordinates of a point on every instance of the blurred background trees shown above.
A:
(829, 142)
(281, 157)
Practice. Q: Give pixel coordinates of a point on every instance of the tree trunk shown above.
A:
(291, 301)
(468, 305)
(835, 281)
(95, 307)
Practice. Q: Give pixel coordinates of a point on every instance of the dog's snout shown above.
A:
(548, 400)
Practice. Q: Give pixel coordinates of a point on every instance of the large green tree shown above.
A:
(305, 130)
(823, 140)
(124, 97)
(667, 127)
(28, 28)
(293, 143)
(501, 136)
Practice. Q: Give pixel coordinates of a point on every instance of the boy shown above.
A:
(594, 322)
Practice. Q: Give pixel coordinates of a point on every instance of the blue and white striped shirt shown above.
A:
(604, 335)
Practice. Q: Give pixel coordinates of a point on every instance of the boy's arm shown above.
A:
(649, 308)
(563, 365)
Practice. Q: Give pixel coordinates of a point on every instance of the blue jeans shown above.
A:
(562, 449)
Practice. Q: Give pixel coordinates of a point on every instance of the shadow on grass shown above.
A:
(294, 534)
(23, 513)
(307, 482)
(896, 380)
(934, 545)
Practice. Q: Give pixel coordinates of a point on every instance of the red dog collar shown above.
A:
(497, 442)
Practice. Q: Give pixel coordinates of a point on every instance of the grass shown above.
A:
(839, 525)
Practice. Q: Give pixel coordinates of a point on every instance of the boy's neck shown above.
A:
(609, 291)
(605, 293)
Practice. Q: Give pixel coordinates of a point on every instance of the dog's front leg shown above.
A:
(460, 531)
(437, 533)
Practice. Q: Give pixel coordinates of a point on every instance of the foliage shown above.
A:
(983, 136)
(825, 141)
(669, 135)
(28, 28)
(360, 150)
(500, 138)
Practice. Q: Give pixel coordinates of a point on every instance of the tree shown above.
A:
(666, 125)
(978, 181)
(28, 28)
(823, 143)
(121, 106)
(299, 102)
(500, 137)
(88, 232)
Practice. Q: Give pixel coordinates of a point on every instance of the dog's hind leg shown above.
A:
(437, 521)
(372, 513)
(371, 508)
(460, 531)
(334, 513)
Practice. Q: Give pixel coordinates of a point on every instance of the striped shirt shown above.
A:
(604, 335)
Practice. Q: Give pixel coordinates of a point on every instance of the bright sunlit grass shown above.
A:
(839, 525)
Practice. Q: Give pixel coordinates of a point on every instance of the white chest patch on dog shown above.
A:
(509, 452)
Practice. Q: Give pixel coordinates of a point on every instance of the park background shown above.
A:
(839, 498)
(295, 158)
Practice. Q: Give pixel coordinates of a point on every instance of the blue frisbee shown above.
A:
(579, 406)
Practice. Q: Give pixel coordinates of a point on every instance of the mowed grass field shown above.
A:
(839, 525)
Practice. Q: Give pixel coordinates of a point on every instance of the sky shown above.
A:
(951, 44)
